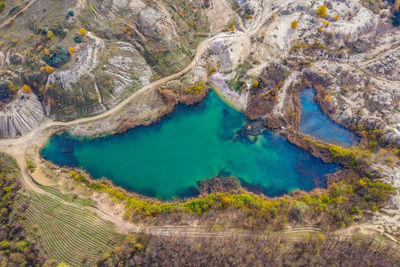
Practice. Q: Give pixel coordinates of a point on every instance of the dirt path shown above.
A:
(8, 22)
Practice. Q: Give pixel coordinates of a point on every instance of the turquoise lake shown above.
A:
(315, 123)
(166, 159)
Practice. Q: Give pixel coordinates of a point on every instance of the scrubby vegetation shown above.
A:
(17, 246)
(347, 156)
(313, 249)
(238, 81)
(336, 207)
(7, 91)
(197, 89)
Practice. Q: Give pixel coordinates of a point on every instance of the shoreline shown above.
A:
(226, 99)
(171, 100)
(128, 126)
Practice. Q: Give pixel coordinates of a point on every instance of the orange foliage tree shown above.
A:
(26, 89)
(83, 32)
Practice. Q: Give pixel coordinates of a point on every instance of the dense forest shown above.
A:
(273, 250)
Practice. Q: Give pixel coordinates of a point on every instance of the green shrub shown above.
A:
(14, 9)
(21, 245)
(78, 39)
(5, 245)
(57, 56)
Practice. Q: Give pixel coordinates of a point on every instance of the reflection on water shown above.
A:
(315, 123)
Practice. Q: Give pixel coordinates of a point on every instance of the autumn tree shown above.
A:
(294, 24)
(26, 89)
(83, 32)
(321, 11)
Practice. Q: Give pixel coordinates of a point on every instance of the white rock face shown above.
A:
(156, 25)
(87, 60)
(21, 116)
(120, 69)
(360, 19)
(119, 64)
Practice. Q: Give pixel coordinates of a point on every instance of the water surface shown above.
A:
(193, 143)
(315, 123)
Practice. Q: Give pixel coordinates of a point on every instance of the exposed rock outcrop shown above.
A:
(20, 116)
(96, 82)
(156, 25)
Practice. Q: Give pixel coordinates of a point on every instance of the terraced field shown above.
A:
(70, 233)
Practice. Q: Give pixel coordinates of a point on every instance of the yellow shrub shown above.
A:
(225, 201)
(50, 35)
(49, 69)
(294, 24)
(71, 50)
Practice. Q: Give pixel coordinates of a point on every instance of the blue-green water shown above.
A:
(315, 123)
(193, 143)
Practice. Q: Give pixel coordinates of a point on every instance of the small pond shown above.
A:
(315, 123)
(166, 159)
